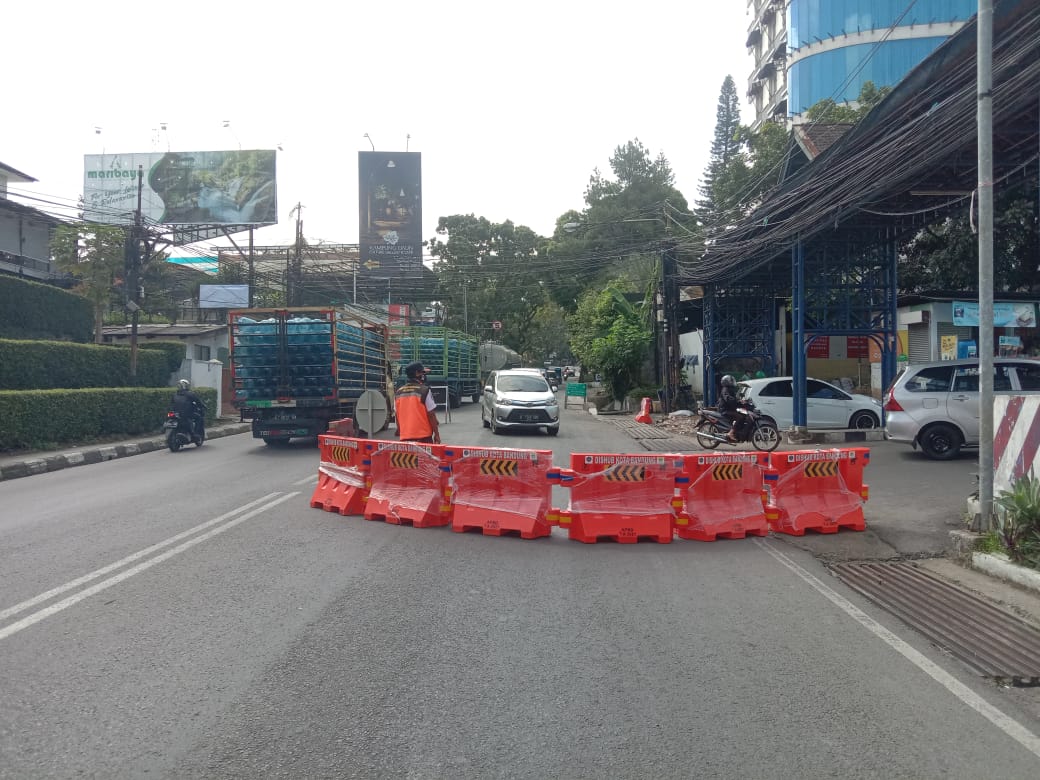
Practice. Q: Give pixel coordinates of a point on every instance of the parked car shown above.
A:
(826, 406)
(519, 398)
(935, 406)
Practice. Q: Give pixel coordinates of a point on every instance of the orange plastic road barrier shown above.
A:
(645, 407)
(725, 496)
(817, 490)
(621, 497)
(500, 491)
(342, 475)
(407, 483)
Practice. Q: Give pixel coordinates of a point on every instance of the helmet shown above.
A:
(728, 381)
(415, 370)
(184, 384)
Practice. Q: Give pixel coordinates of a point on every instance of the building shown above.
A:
(806, 51)
(25, 234)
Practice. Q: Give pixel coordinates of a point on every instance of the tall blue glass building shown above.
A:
(835, 46)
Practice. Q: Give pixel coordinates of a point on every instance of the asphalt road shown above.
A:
(190, 616)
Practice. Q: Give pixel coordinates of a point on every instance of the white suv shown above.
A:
(936, 405)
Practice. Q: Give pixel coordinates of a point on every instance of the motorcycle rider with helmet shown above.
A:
(728, 405)
(191, 408)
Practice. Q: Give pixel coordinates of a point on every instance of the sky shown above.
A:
(513, 105)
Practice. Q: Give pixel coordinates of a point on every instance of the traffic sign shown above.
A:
(496, 325)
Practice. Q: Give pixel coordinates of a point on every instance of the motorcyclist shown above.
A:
(190, 407)
(728, 406)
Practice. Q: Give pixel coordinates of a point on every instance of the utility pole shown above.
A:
(251, 280)
(133, 283)
(985, 188)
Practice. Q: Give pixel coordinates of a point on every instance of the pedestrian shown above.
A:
(416, 409)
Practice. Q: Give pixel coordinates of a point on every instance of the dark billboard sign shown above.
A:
(391, 214)
(182, 188)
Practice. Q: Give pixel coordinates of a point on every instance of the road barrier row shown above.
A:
(625, 498)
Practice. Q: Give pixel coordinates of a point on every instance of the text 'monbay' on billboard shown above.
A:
(182, 188)
(390, 225)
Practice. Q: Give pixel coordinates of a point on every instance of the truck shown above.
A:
(294, 370)
(496, 357)
(449, 356)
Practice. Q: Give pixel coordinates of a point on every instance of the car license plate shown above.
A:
(529, 418)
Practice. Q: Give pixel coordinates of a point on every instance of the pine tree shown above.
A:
(725, 161)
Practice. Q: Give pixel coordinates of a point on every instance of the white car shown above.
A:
(826, 406)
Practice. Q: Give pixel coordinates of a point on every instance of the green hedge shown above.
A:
(37, 419)
(175, 352)
(29, 310)
(48, 365)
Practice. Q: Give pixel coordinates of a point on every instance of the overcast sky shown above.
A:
(512, 104)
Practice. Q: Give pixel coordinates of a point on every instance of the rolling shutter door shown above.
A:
(917, 344)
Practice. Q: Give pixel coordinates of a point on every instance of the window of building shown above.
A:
(201, 352)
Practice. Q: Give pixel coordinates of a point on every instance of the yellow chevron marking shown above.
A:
(498, 467)
(622, 473)
(342, 454)
(404, 460)
(821, 468)
(723, 471)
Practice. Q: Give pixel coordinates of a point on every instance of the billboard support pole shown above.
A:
(252, 269)
(133, 276)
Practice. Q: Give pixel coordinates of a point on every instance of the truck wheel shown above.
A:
(475, 398)
(454, 400)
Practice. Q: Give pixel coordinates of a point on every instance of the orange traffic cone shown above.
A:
(644, 412)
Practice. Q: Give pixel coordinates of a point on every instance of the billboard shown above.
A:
(182, 188)
(223, 296)
(390, 225)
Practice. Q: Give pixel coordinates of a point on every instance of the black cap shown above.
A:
(414, 370)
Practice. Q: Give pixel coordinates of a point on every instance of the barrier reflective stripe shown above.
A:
(725, 496)
(407, 484)
(499, 491)
(499, 467)
(817, 490)
(342, 475)
(622, 473)
(620, 497)
(821, 469)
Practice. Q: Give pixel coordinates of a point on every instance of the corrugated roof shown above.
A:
(922, 136)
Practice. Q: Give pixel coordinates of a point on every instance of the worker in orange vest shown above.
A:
(416, 408)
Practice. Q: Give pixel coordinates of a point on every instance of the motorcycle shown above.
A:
(180, 432)
(713, 426)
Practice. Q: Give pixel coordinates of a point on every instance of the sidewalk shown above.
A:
(26, 464)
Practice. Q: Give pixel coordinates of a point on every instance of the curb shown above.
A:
(962, 550)
(1000, 567)
(827, 437)
(46, 463)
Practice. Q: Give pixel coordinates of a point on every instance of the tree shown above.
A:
(490, 272)
(945, 256)
(95, 256)
(611, 337)
(829, 112)
(727, 169)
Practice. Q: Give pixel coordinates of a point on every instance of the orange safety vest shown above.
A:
(413, 421)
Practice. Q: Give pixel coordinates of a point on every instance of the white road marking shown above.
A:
(1002, 721)
(53, 609)
(128, 559)
(313, 478)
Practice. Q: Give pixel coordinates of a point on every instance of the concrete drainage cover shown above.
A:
(991, 641)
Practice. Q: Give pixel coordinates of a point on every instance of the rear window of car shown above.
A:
(930, 380)
(1028, 376)
(966, 379)
(776, 390)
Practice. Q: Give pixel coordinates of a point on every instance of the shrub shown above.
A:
(29, 310)
(46, 365)
(38, 419)
(1019, 522)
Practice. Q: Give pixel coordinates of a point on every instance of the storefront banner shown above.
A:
(1006, 314)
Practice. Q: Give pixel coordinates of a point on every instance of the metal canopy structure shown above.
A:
(835, 225)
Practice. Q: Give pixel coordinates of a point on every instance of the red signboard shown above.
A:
(857, 346)
(820, 348)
